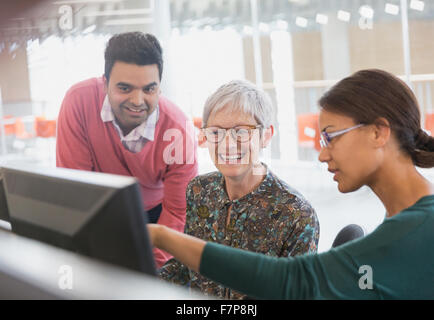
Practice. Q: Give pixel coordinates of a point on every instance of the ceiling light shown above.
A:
(322, 18)
(344, 15)
(301, 22)
(417, 5)
(391, 9)
(366, 12)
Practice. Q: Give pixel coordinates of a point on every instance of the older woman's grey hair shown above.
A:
(241, 95)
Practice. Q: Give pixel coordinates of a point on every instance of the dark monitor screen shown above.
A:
(4, 211)
(96, 214)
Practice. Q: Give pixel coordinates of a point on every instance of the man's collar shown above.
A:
(106, 111)
(146, 129)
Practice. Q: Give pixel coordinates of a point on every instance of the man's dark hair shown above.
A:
(133, 47)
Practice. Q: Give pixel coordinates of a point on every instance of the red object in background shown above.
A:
(308, 130)
(9, 127)
(197, 122)
(45, 128)
(429, 123)
(20, 130)
(15, 126)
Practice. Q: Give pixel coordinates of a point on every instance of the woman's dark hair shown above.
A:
(133, 47)
(368, 95)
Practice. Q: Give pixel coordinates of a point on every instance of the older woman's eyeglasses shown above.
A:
(327, 137)
(240, 133)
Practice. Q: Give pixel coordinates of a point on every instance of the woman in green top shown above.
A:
(370, 135)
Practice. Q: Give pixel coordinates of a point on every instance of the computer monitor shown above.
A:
(96, 214)
(4, 211)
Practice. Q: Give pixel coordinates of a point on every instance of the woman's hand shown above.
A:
(184, 248)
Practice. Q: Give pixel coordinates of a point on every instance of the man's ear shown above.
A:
(381, 133)
(266, 137)
(105, 83)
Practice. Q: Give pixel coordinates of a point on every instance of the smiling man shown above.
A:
(118, 123)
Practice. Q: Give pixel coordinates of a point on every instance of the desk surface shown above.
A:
(30, 269)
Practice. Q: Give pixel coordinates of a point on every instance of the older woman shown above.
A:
(243, 205)
(371, 135)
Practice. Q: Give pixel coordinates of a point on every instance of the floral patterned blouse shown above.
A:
(274, 219)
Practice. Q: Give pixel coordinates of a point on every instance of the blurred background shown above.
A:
(294, 49)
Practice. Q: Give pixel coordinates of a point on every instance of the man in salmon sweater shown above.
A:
(119, 123)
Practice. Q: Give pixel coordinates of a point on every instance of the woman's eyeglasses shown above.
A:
(325, 137)
(240, 133)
